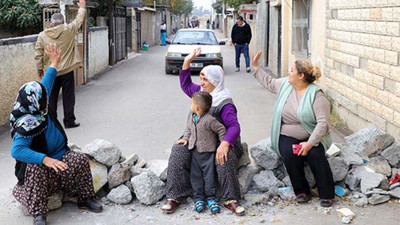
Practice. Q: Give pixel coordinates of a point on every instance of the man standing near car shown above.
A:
(241, 37)
(63, 35)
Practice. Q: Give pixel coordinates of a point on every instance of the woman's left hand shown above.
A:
(222, 152)
(254, 60)
(305, 148)
(54, 54)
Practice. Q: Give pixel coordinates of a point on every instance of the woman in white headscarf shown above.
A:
(228, 152)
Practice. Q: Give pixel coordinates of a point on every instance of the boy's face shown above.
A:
(195, 108)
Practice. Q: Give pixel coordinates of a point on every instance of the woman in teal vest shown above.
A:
(301, 116)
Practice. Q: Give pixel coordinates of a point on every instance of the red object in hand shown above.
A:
(296, 149)
(395, 179)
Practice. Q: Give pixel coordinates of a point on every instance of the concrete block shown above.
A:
(381, 28)
(391, 57)
(387, 14)
(395, 73)
(395, 43)
(385, 42)
(375, 14)
(393, 28)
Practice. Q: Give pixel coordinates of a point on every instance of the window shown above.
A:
(300, 27)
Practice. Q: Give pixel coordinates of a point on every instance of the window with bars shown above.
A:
(300, 27)
(47, 13)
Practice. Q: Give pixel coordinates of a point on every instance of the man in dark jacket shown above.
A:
(241, 36)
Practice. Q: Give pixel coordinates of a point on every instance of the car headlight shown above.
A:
(213, 55)
(173, 54)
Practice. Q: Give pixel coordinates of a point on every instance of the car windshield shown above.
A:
(195, 38)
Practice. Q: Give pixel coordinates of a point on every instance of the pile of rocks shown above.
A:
(362, 167)
(123, 178)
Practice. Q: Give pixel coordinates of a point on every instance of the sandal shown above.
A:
(326, 202)
(170, 206)
(213, 205)
(199, 206)
(235, 207)
(303, 198)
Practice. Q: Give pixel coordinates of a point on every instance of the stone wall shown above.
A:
(16, 68)
(98, 50)
(362, 62)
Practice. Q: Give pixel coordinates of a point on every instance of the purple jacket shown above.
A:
(228, 113)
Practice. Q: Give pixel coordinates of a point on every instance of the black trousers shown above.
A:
(67, 83)
(203, 175)
(318, 163)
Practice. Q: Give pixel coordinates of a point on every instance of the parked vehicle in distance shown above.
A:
(185, 41)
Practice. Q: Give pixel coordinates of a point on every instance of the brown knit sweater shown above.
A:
(203, 134)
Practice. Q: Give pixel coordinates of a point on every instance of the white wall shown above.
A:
(98, 50)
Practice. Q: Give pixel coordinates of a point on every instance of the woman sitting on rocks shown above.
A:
(228, 151)
(301, 117)
(45, 165)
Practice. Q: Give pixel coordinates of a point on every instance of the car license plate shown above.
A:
(196, 65)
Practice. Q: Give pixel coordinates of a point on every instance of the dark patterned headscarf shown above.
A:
(29, 111)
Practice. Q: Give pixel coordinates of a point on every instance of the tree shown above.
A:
(188, 8)
(217, 6)
(21, 16)
(236, 3)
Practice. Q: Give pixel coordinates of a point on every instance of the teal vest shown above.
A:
(305, 113)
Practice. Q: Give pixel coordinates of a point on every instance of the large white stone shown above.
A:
(130, 160)
(264, 156)
(99, 175)
(338, 167)
(103, 151)
(140, 163)
(245, 158)
(55, 201)
(149, 189)
(392, 154)
(159, 167)
(380, 165)
(376, 199)
(369, 141)
(395, 193)
(246, 175)
(266, 181)
(353, 178)
(120, 195)
(350, 157)
(370, 180)
(118, 175)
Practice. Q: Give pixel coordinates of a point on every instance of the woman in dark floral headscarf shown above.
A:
(45, 165)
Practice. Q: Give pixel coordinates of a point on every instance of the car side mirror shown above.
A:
(168, 42)
(221, 43)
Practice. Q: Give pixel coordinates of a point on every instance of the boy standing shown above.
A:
(200, 133)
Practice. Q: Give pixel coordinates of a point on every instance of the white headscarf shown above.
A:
(215, 74)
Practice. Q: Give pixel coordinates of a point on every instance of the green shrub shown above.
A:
(23, 16)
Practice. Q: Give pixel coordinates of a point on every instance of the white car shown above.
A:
(185, 41)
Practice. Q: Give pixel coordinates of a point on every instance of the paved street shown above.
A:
(141, 110)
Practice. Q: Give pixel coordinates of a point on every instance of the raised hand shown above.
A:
(254, 60)
(54, 54)
(189, 58)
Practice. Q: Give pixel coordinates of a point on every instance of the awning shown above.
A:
(247, 10)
